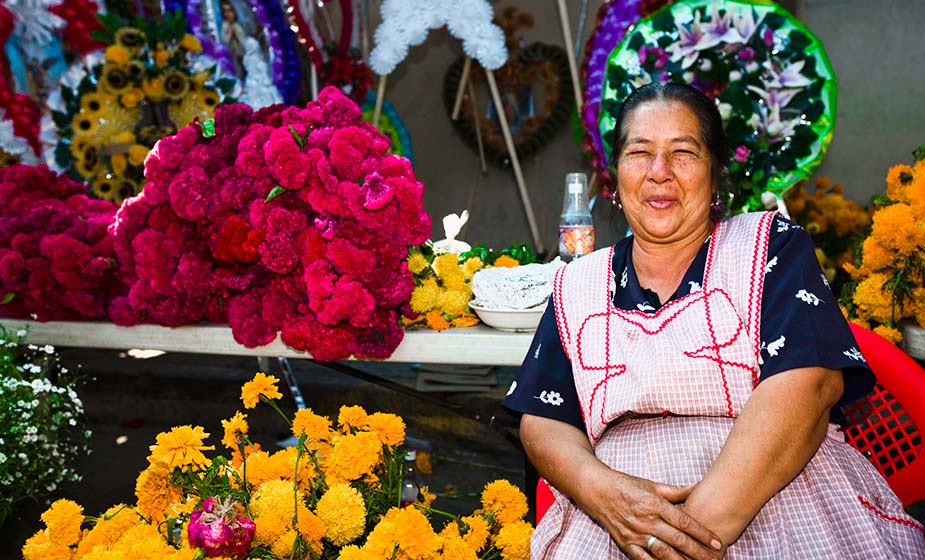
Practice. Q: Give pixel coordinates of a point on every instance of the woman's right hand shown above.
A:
(634, 509)
(631, 509)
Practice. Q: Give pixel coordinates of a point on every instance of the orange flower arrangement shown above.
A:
(887, 279)
(336, 494)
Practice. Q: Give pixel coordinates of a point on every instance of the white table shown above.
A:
(471, 345)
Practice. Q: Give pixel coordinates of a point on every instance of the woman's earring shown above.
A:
(616, 202)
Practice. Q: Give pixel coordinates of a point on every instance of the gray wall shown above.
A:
(875, 47)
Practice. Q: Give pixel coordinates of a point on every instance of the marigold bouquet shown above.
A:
(334, 495)
(57, 261)
(42, 423)
(150, 82)
(834, 222)
(889, 276)
(290, 221)
(442, 283)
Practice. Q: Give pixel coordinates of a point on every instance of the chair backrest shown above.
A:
(887, 425)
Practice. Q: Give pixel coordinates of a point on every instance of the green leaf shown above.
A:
(297, 137)
(919, 153)
(277, 190)
(208, 128)
(7, 298)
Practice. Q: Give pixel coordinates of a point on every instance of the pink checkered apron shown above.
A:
(661, 391)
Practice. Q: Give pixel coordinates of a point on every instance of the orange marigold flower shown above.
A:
(465, 321)
(875, 256)
(504, 499)
(514, 540)
(896, 179)
(352, 417)
(896, 229)
(436, 321)
(235, 429)
(343, 512)
(506, 261)
(389, 427)
(262, 385)
(476, 533)
(874, 302)
(63, 520)
(155, 493)
(352, 456)
(889, 333)
(315, 427)
(179, 447)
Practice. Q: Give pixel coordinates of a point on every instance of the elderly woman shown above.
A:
(681, 389)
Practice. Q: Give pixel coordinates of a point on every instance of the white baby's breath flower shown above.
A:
(48, 349)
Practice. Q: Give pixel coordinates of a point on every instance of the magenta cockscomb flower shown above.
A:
(219, 529)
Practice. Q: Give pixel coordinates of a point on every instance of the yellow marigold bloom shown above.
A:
(422, 463)
(343, 513)
(447, 263)
(311, 528)
(875, 256)
(261, 385)
(417, 263)
(190, 43)
(235, 428)
(466, 320)
(476, 534)
(896, 179)
(456, 281)
(454, 546)
(37, 547)
(352, 417)
(132, 97)
(352, 552)
(424, 298)
(155, 493)
(154, 88)
(111, 526)
(409, 529)
(315, 427)
(452, 301)
(896, 229)
(506, 262)
(436, 321)
(514, 540)
(272, 507)
(874, 302)
(504, 499)
(889, 333)
(142, 541)
(117, 54)
(352, 457)
(389, 427)
(179, 447)
(63, 520)
(427, 497)
(471, 266)
(137, 154)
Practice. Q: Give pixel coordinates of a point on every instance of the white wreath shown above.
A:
(405, 23)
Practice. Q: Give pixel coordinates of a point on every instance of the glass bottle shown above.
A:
(576, 231)
(410, 481)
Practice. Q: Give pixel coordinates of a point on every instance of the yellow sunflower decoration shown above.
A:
(142, 90)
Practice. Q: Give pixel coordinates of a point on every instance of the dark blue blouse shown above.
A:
(801, 326)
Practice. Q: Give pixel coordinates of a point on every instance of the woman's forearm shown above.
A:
(779, 430)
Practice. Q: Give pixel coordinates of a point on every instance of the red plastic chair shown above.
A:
(885, 428)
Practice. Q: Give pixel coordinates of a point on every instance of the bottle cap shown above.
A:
(576, 182)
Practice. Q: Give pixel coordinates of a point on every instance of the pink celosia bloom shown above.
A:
(218, 529)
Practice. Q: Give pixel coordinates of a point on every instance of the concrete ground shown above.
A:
(130, 401)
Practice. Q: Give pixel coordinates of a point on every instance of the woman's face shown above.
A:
(663, 173)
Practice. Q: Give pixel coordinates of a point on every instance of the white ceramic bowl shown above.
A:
(511, 320)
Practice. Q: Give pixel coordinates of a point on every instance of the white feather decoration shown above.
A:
(405, 23)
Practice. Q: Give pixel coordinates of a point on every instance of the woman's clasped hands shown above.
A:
(646, 519)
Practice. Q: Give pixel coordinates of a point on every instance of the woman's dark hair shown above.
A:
(711, 124)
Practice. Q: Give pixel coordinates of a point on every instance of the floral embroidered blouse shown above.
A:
(801, 326)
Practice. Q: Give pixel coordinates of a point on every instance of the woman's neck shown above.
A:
(660, 267)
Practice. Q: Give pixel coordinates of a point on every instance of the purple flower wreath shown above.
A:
(56, 260)
(288, 220)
